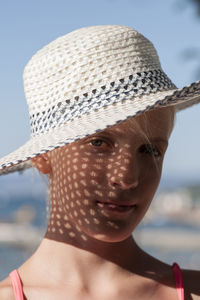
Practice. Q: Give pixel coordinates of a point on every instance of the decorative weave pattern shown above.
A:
(140, 84)
(90, 79)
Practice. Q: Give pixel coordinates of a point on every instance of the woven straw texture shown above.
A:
(88, 80)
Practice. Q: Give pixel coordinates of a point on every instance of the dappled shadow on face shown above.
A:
(86, 174)
(103, 169)
(78, 188)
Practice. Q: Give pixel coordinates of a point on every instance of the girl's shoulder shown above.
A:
(6, 289)
(191, 281)
(191, 285)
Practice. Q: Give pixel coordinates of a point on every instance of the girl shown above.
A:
(101, 112)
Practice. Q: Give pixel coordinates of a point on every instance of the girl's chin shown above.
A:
(113, 236)
(112, 239)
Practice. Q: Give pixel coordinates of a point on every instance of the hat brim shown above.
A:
(127, 107)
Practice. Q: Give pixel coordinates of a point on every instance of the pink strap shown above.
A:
(17, 285)
(179, 281)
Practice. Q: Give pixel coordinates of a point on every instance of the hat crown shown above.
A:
(86, 57)
(89, 69)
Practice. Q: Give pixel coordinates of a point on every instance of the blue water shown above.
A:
(12, 257)
(9, 209)
(166, 223)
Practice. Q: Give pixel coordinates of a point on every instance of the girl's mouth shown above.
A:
(115, 207)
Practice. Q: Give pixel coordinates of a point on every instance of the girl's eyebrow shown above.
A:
(104, 131)
(159, 140)
(109, 132)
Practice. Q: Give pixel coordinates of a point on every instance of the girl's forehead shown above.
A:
(153, 122)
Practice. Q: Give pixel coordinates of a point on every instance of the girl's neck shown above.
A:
(91, 250)
(60, 260)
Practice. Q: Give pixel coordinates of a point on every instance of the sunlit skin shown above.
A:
(88, 251)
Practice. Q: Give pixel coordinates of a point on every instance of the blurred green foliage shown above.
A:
(194, 191)
(197, 5)
(192, 53)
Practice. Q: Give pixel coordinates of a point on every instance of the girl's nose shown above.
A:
(124, 173)
(123, 183)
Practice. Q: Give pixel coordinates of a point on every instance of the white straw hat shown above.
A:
(90, 79)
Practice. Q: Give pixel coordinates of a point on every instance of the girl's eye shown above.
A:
(97, 142)
(150, 149)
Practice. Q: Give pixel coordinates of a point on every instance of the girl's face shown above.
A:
(102, 185)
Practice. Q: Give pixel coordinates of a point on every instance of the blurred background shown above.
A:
(171, 229)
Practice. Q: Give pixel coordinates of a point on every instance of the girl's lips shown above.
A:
(115, 207)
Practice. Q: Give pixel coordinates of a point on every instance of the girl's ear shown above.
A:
(42, 163)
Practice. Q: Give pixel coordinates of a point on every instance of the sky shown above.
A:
(27, 26)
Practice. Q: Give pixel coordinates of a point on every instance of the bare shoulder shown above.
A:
(191, 281)
(6, 291)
